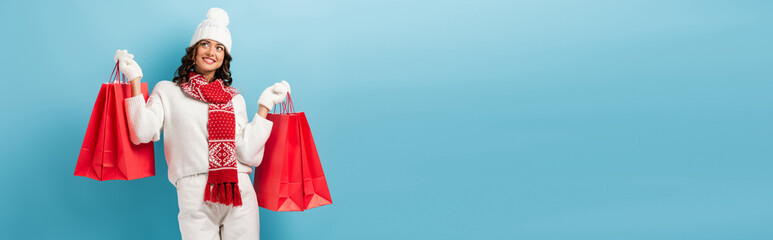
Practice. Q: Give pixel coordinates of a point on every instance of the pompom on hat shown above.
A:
(215, 27)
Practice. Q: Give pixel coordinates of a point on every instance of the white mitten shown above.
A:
(274, 94)
(127, 65)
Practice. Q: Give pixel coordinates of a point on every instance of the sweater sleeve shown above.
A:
(250, 136)
(145, 119)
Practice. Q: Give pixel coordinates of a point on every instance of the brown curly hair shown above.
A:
(187, 62)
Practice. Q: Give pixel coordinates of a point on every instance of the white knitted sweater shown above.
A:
(184, 121)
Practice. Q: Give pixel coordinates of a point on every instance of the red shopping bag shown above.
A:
(290, 177)
(107, 153)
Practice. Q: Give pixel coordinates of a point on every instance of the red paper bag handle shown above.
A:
(116, 76)
(286, 107)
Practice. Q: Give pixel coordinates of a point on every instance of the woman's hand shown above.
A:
(274, 94)
(127, 65)
(130, 69)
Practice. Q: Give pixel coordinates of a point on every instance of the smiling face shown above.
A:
(209, 57)
(213, 64)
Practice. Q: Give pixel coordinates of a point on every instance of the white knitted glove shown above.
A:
(274, 94)
(127, 65)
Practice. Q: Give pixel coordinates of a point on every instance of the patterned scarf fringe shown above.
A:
(224, 193)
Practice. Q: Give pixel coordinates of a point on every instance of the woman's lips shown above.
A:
(208, 60)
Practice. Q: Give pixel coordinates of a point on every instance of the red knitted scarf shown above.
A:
(222, 181)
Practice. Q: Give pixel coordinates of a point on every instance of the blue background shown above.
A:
(433, 119)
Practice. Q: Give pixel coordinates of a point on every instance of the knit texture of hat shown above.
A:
(215, 27)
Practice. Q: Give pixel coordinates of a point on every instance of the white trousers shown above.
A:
(201, 220)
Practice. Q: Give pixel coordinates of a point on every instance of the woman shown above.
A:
(209, 144)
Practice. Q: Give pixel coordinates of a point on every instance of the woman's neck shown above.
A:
(210, 76)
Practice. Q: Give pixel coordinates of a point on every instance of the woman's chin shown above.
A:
(205, 68)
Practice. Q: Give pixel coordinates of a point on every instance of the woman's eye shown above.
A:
(220, 48)
(205, 44)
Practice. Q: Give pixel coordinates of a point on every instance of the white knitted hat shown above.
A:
(215, 27)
